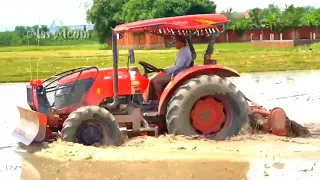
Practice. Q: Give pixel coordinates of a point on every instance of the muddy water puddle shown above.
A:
(297, 92)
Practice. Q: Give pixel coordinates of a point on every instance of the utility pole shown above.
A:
(39, 32)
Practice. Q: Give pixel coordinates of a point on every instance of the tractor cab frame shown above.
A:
(150, 110)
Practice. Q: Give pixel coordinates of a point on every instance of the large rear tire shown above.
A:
(207, 105)
(92, 125)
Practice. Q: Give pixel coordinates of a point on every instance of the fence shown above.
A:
(149, 41)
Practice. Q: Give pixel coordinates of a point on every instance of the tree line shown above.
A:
(275, 18)
(106, 13)
(110, 13)
(40, 35)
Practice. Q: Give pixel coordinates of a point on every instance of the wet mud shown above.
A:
(37, 168)
(167, 157)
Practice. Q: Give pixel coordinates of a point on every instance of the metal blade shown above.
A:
(32, 126)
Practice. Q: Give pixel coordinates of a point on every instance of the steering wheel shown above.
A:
(148, 68)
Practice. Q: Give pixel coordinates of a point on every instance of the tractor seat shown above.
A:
(192, 63)
(193, 52)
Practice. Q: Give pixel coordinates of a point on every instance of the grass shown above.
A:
(52, 48)
(20, 64)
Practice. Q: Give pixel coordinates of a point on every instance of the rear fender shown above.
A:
(188, 74)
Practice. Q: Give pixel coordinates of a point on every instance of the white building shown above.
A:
(58, 23)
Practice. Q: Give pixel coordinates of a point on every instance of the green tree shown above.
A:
(240, 26)
(10, 39)
(103, 14)
(291, 16)
(270, 17)
(135, 10)
(255, 17)
(22, 30)
(311, 19)
(201, 7)
(170, 8)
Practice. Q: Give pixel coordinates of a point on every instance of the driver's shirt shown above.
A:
(183, 61)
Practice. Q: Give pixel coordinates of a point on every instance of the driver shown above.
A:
(182, 62)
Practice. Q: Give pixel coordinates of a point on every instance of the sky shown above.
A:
(72, 12)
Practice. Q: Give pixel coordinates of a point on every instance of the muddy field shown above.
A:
(170, 157)
(167, 157)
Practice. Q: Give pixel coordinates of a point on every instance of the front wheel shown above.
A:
(92, 125)
(207, 105)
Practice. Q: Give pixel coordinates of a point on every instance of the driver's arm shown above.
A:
(181, 60)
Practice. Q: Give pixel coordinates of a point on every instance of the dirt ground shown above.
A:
(166, 157)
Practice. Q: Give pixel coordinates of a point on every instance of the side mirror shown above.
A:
(131, 56)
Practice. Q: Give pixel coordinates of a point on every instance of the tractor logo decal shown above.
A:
(120, 77)
(204, 21)
(180, 22)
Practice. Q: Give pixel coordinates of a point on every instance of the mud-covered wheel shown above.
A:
(92, 125)
(207, 105)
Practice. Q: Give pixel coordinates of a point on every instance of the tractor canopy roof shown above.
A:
(197, 25)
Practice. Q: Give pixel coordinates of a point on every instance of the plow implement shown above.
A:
(32, 126)
(274, 121)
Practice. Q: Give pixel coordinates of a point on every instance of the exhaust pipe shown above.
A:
(115, 71)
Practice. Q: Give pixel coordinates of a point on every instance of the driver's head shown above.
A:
(180, 41)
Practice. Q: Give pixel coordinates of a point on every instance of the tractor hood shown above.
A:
(105, 73)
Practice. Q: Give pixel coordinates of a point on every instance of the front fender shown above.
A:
(219, 70)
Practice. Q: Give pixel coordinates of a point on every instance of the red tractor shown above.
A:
(90, 106)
